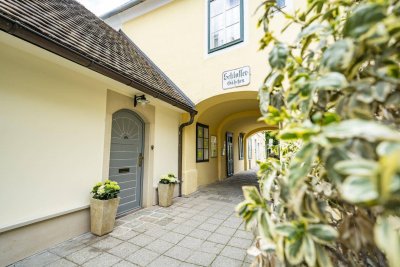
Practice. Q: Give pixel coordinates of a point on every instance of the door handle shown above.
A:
(140, 160)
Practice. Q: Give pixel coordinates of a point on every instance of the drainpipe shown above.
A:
(180, 165)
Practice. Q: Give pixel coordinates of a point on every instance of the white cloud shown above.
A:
(100, 7)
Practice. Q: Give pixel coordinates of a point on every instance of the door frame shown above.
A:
(141, 151)
(229, 134)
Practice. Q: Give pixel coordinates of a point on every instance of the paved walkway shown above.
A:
(199, 230)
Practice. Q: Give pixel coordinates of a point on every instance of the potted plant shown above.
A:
(103, 207)
(166, 188)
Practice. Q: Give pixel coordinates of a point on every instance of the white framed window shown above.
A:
(225, 23)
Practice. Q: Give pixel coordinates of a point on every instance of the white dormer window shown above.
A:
(225, 23)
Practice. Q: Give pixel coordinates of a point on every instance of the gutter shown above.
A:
(25, 33)
(180, 165)
(121, 8)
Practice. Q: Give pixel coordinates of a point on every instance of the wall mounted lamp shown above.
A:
(140, 99)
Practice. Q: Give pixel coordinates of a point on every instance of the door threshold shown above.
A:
(128, 212)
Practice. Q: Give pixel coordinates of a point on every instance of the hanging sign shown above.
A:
(235, 78)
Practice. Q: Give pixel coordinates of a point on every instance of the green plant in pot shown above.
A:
(103, 207)
(166, 188)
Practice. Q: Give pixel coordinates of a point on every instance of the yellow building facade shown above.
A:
(178, 36)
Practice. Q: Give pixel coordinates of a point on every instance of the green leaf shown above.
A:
(309, 251)
(369, 130)
(302, 163)
(311, 30)
(362, 19)
(285, 229)
(278, 56)
(294, 251)
(331, 81)
(339, 56)
(357, 167)
(358, 189)
(322, 233)
(252, 195)
(387, 238)
(323, 258)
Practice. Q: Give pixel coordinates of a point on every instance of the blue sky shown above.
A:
(100, 7)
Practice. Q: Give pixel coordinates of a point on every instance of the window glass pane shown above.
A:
(199, 154)
(216, 7)
(217, 23)
(232, 16)
(205, 132)
(233, 33)
(206, 154)
(231, 3)
(199, 131)
(217, 39)
(205, 143)
(280, 3)
(199, 142)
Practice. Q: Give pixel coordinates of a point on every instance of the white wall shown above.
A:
(51, 136)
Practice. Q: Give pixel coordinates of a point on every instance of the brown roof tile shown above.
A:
(70, 30)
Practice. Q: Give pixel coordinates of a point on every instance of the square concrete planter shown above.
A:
(165, 194)
(102, 215)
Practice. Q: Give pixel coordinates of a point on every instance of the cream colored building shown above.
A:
(199, 43)
(67, 90)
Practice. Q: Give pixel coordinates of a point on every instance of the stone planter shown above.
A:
(102, 215)
(165, 194)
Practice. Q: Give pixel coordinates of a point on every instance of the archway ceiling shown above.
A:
(217, 113)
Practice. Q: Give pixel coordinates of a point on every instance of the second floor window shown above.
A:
(225, 23)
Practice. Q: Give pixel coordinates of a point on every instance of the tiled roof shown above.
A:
(67, 28)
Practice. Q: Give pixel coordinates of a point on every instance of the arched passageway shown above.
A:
(217, 138)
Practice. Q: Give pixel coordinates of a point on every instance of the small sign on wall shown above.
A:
(235, 78)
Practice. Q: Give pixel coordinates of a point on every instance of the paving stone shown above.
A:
(223, 230)
(159, 246)
(125, 263)
(183, 229)
(158, 215)
(38, 259)
(222, 261)
(179, 253)
(67, 248)
(234, 253)
(62, 263)
(156, 232)
(214, 221)
(141, 240)
(240, 243)
(164, 221)
(88, 238)
(244, 234)
(83, 255)
(218, 238)
(199, 218)
(192, 223)
(171, 226)
(186, 264)
(208, 227)
(145, 227)
(164, 261)
(142, 257)
(200, 234)
(104, 260)
(190, 242)
(172, 237)
(123, 233)
(123, 250)
(211, 247)
(107, 243)
(201, 258)
(231, 224)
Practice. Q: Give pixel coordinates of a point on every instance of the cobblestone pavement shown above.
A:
(199, 230)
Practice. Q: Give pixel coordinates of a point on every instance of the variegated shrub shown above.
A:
(333, 198)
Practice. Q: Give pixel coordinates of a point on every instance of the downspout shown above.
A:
(180, 165)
